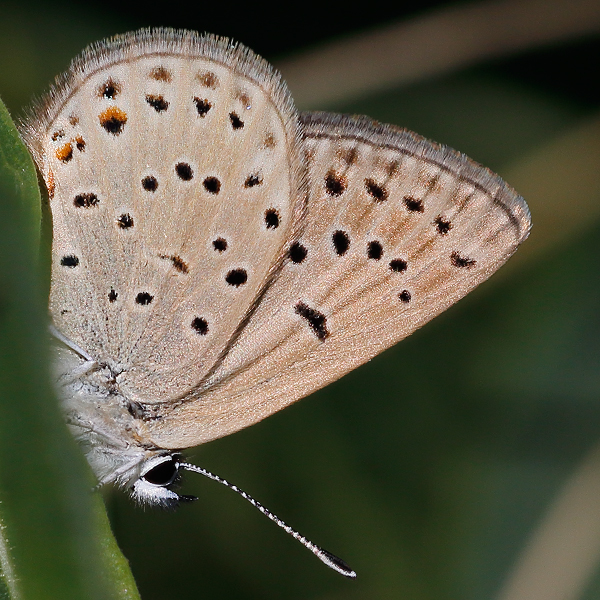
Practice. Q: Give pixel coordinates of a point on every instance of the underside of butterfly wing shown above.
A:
(175, 179)
(397, 230)
(216, 256)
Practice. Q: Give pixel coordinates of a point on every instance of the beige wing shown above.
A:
(175, 179)
(397, 230)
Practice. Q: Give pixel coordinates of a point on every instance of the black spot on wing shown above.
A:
(462, 262)
(315, 319)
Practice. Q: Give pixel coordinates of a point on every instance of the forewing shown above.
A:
(397, 230)
(175, 179)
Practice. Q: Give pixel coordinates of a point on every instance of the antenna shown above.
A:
(332, 561)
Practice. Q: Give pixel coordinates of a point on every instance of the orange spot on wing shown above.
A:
(65, 152)
(113, 119)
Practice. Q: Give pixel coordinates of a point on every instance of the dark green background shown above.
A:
(427, 468)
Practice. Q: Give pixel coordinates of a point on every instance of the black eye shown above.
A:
(163, 474)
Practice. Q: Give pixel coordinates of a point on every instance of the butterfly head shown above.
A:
(158, 475)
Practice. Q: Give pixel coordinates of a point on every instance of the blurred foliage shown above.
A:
(428, 468)
(55, 540)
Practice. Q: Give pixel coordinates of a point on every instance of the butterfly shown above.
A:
(217, 255)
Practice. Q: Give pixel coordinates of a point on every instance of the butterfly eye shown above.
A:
(152, 487)
(163, 474)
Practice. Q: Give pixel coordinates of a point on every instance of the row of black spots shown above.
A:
(185, 172)
(203, 106)
(178, 263)
(143, 298)
(461, 262)
(298, 253)
(213, 184)
(316, 320)
(113, 120)
(198, 324)
(157, 102)
(375, 252)
(86, 200)
(341, 244)
(336, 184)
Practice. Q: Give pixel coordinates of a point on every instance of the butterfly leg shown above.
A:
(88, 366)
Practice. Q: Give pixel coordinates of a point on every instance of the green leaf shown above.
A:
(55, 540)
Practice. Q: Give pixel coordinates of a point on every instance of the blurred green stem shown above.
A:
(55, 537)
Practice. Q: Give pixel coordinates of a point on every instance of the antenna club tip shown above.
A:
(337, 564)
